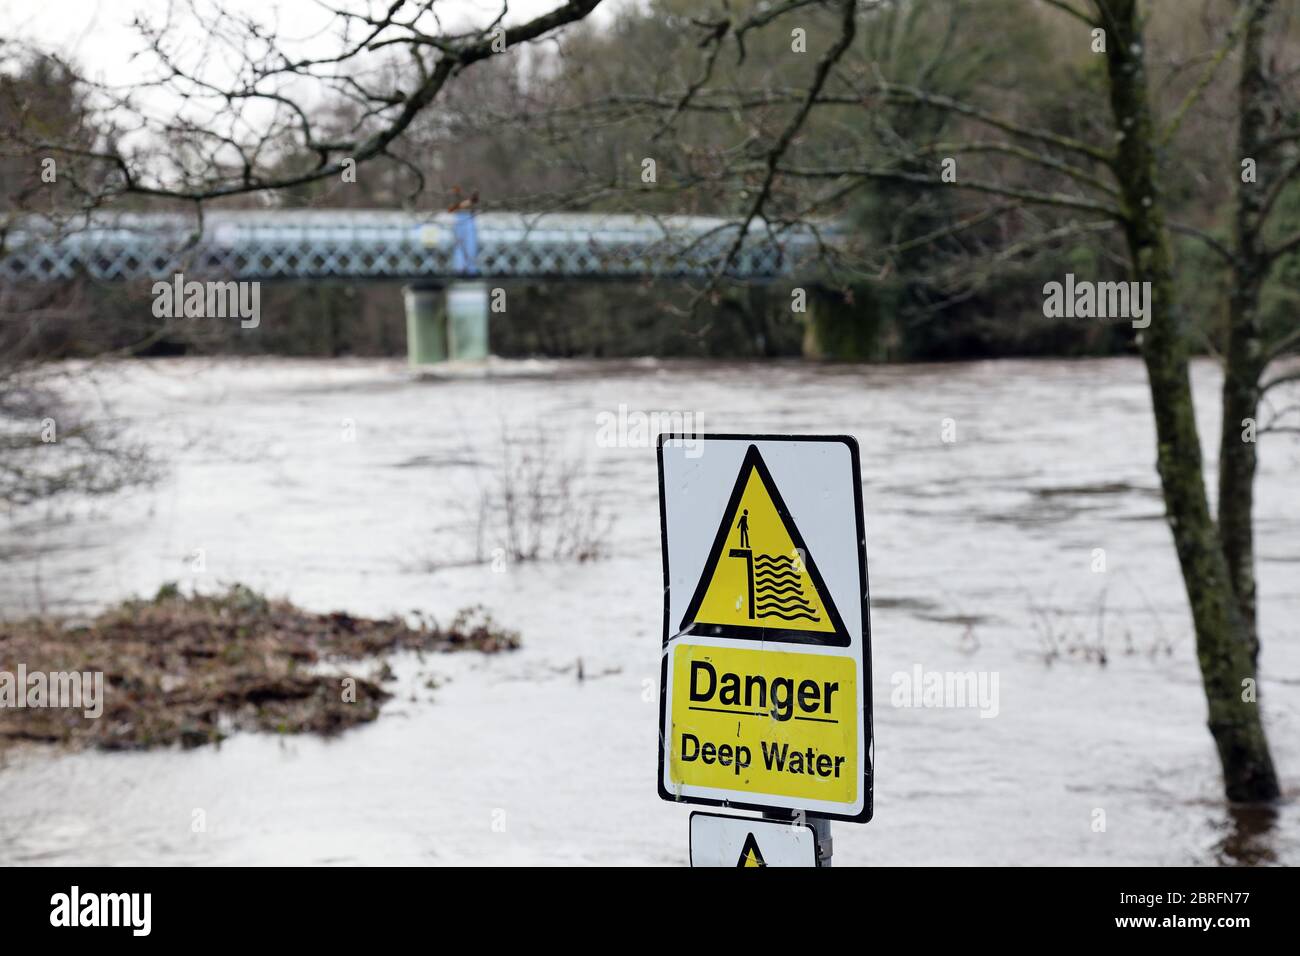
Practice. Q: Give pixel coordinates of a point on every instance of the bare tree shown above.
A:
(1099, 179)
(50, 443)
(241, 114)
(1268, 147)
(775, 148)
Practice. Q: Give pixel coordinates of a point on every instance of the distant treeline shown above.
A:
(570, 128)
(602, 320)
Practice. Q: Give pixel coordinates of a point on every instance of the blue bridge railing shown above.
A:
(380, 245)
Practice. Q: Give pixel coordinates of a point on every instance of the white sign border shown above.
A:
(860, 811)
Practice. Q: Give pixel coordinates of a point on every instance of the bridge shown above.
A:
(447, 291)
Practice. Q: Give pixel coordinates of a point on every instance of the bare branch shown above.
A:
(848, 28)
(1282, 379)
(1210, 241)
(1290, 244)
(896, 92)
(396, 111)
(1028, 155)
(1072, 11)
(1059, 200)
(1229, 41)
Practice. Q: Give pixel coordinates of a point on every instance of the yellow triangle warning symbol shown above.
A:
(750, 855)
(760, 582)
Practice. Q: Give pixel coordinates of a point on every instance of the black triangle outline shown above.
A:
(838, 638)
(751, 844)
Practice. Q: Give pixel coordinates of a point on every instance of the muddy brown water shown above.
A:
(355, 485)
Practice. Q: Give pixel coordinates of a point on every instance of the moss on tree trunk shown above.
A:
(1244, 359)
(1223, 641)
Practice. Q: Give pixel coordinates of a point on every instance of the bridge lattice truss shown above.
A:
(383, 245)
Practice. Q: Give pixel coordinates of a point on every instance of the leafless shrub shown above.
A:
(539, 505)
(50, 446)
(1064, 636)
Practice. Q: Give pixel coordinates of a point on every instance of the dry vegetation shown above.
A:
(192, 669)
(540, 505)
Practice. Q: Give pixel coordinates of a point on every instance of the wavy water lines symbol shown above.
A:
(778, 589)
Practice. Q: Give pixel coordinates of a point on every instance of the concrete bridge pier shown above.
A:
(446, 322)
(467, 320)
(426, 325)
(836, 328)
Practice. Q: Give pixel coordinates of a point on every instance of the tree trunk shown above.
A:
(1243, 358)
(1222, 642)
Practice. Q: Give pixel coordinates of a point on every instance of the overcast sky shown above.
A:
(97, 34)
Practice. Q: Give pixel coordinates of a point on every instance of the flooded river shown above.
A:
(355, 485)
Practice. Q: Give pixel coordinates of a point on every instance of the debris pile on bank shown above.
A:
(190, 669)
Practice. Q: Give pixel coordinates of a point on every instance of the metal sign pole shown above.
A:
(822, 829)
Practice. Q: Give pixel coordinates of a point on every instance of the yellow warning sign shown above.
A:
(765, 699)
(762, 721)
(750, 854)
(759, 581)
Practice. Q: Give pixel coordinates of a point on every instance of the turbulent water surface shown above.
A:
(356, 486)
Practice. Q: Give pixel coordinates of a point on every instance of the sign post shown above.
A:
(765, 676)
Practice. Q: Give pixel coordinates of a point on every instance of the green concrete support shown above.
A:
(467, 320)
(446, 323)
(426, 326)
(836, 328)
